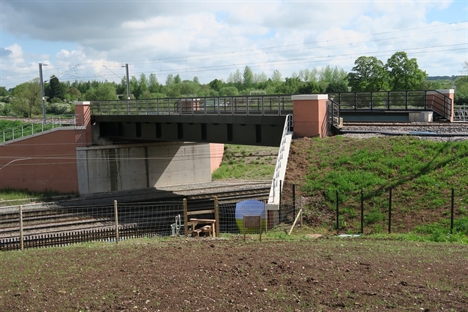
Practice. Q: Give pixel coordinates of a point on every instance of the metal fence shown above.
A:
(32, 226)
(31, 128)
(261, 105)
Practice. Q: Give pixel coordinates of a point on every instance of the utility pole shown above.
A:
(44, 120)
(128, 87)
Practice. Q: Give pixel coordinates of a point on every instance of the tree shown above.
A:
(73, 94)
(3, 91)
(216, 84)
(248, 78)
(260, 78)
(337, 87)
(177, 79)
(367, 75)
(153, 84)
(27, 98)
(329, 74)
(404, 73)
(228, 91)
(56, 90)
(134, 87)
(169, 80)
(195, 79)
(104, 91)
(290, 86)
(189, 88)
(142, 86)
(235, 79)
(276, 77)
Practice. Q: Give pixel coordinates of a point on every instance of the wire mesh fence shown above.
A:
(32, 226)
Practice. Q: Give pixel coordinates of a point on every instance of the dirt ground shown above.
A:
(228, 274)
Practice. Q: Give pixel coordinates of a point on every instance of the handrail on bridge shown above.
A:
(261, 105)
(395, 100)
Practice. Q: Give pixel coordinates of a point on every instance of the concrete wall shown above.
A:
(44, 161)
(127, 167)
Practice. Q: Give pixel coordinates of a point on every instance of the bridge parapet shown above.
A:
(266, 105)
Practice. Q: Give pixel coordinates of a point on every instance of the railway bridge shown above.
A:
(134, 144)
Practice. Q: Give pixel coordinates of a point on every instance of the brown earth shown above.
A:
(203, 274)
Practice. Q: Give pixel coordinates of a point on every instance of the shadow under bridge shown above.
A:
(249, 120)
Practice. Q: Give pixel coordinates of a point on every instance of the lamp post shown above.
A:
(44, 120)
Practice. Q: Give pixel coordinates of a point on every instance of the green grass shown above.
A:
(420, 173)
(247, 163)
(18, 197)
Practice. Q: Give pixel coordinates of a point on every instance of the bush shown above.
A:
(58, 108)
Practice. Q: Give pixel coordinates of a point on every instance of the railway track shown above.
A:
(157, 213)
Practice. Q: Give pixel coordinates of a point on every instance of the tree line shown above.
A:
(369, 74)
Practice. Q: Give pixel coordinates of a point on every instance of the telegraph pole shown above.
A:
(44, 120)
(128, 87)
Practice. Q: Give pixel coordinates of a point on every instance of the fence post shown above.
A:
(390, 211)
(362, 211)
(451, 211)
(185, 216)
(216, 213)
(21, 227)
(294, 198)
(116, 222)
(337, 214)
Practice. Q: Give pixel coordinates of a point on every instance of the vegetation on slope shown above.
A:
(421, 174)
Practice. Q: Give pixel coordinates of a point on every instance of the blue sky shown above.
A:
(91, 40)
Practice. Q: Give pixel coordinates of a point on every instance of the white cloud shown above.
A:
(212, 39)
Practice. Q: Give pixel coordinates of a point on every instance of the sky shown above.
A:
(93, 39)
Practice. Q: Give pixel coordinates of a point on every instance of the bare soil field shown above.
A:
(228, 274)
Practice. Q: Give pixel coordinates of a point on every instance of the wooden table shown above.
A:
(211, 222)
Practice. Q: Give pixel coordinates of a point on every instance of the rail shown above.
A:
(395, 100)
(261, 105)
(31, 128)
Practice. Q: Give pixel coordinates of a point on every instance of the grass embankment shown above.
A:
(421, 174)
(247, 163)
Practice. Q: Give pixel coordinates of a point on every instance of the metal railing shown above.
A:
(395, 100)
(461, 113)
(333, 113)
(261, 105)
(281, 163)
(31, 128)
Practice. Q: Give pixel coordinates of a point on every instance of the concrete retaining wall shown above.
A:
(127, 167)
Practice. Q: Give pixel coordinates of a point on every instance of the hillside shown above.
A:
(420, 172)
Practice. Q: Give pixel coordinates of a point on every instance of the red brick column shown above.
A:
(83, 123)
(310, 115)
